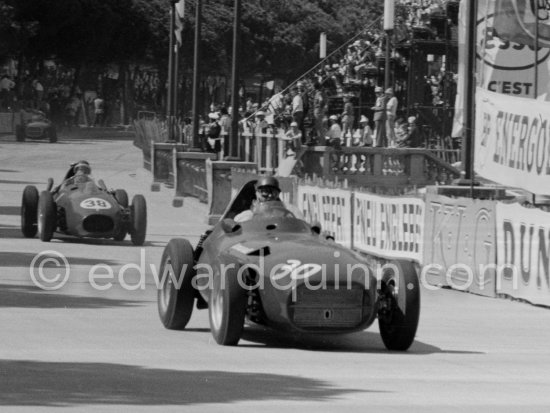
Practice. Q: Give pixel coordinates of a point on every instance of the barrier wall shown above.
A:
(459, 243)
(6, 122)
(523, 254)
(190, 174)
(162, 160)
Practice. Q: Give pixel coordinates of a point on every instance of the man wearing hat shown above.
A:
(380, 118)
(365, 132)
(294, 138)
(261, 123)
(334, 135)
(391, 113)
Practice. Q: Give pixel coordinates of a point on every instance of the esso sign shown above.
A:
(95, 203)
(502, 54)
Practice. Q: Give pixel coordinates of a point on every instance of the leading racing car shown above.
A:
(82, 208)
(277, 270)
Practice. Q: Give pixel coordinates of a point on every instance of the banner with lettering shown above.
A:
(512, 145)
(459, 244)
(330, 207)
(507, 60)
(388, 227)
(523, 254)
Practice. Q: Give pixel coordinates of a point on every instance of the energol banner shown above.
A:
(513, 141)
(523, 254)
(388, 227)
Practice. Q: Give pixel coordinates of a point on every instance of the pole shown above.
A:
(175, 91)
(387, 68)
(169, 97)
(234, 142)
(469, 94)
(196, 74)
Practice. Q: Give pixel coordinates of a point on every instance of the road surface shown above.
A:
(86, 348)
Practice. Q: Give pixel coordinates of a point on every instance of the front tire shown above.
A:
(47, 216)
(400, 299)
(138, 218)
(29, 211)
(227, 309)
(175, 304)
(52, 134)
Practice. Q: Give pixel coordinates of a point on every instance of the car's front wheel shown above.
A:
(47, 216)
(52, 134)
(399, 305)
(20, 133)
(227, 308)
(176, 294)
(29, 211)
(138, 219)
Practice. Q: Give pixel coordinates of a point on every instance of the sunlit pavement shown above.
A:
(104, 349)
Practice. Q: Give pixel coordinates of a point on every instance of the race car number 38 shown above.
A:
(95, 203)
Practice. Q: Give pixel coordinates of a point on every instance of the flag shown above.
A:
(180, 8)
(516, 21)
(178, 19)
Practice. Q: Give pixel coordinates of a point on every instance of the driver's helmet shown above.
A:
(267, 189)
(82, 168)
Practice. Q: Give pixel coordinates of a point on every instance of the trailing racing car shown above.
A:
(279, 271)
(82, 208)
(35, 125)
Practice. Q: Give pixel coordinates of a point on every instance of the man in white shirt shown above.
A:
(391, 113)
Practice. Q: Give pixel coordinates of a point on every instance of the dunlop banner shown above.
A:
(513, 141)
(459, 244)
(389, 227)
(523, 255)
(330, 207)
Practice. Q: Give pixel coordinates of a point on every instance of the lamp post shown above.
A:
(196, 75)
(170, 88)
(234, 142)
(389, 12)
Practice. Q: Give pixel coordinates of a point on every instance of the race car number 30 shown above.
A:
(95, 203)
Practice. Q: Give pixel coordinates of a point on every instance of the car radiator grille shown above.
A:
(330, 307)
(34, 131)
(98, 223)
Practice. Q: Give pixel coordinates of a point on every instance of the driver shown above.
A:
(80, 173)
(267, 189)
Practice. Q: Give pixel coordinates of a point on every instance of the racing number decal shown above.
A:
(296, 270)
(95, 203)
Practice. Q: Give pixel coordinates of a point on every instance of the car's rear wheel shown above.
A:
(399, 309)
(138, 218)
(176, 294)
(20, 133)
(52, 135)
(227, 308)
(29, 211)
(47, 216)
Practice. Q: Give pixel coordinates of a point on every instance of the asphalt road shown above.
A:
(82, 348)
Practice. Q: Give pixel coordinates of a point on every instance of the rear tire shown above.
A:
(47, 216)
(138, 218)
(175, 304)
(227, 309)
(29, 211)
(20, 133)
(398, 321)
(52, 134)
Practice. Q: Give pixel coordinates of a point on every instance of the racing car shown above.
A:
(84, 209)
(277, 270)
(35, 125)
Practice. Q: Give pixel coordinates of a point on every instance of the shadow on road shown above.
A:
(24, 259)
(10, 210)
(35, 383)
(7, 181)
(360, 342)
(22, 296)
